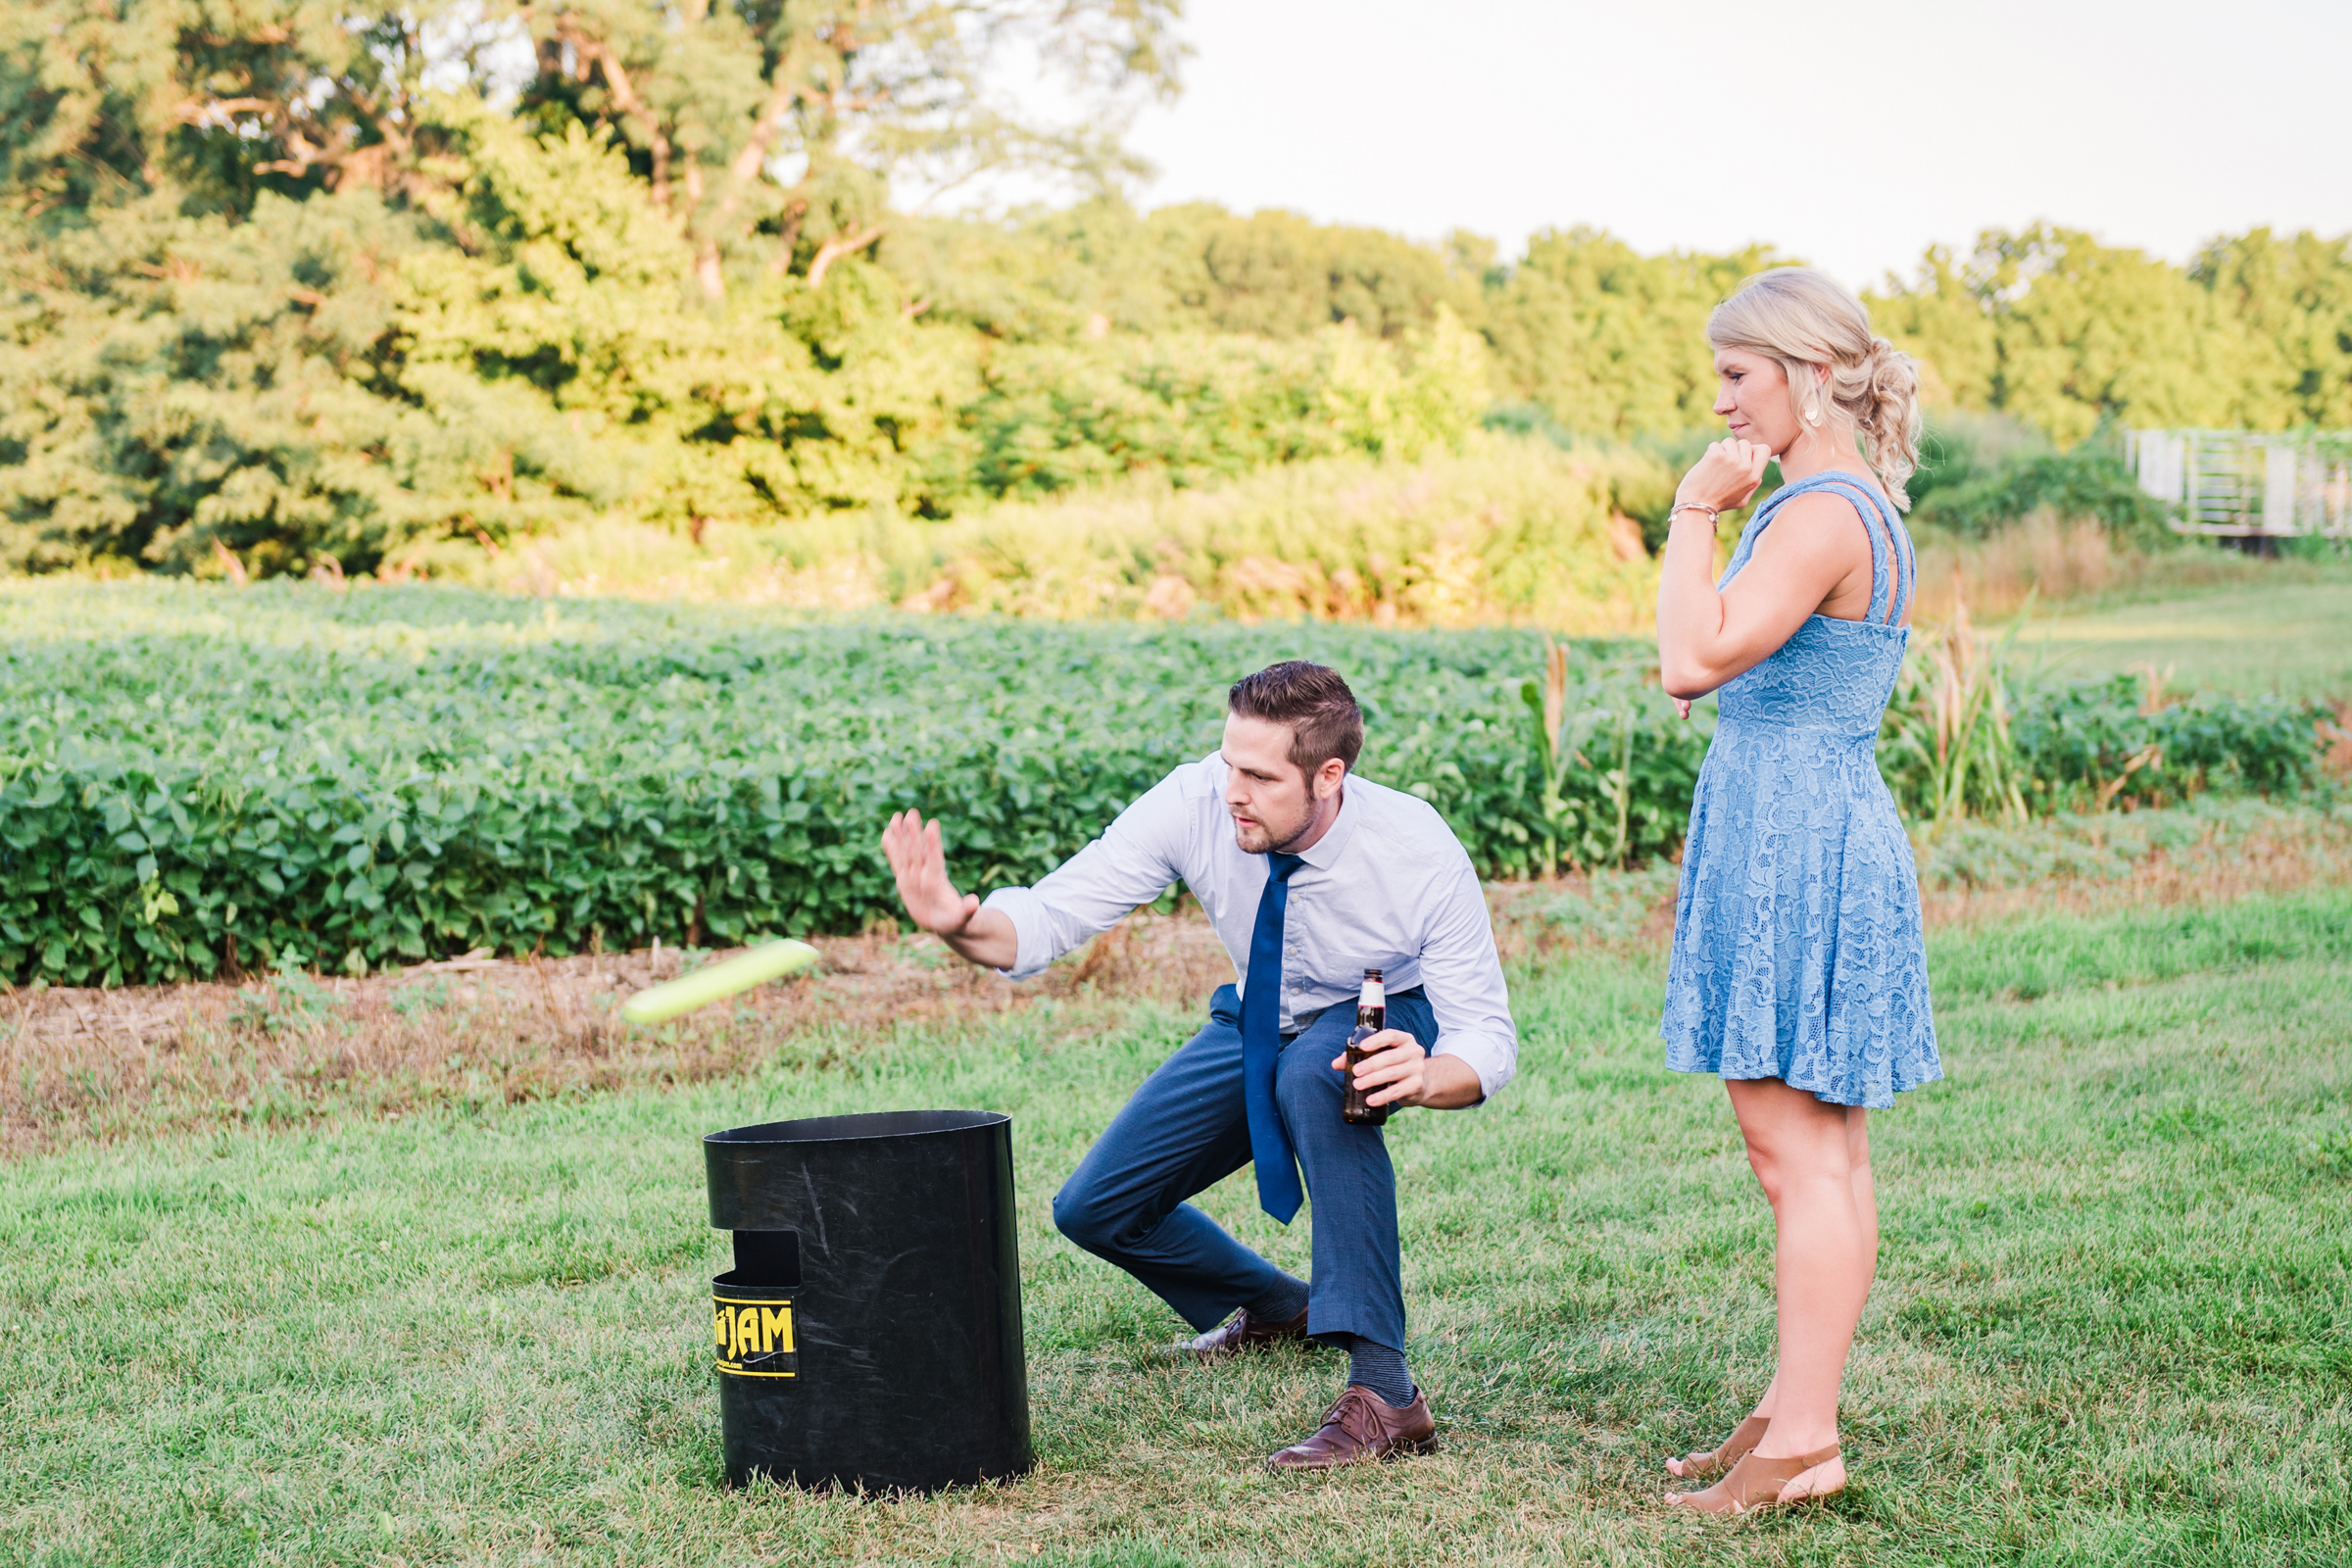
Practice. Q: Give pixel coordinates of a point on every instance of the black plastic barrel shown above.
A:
(869, 1334)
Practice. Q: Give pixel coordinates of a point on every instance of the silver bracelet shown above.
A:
(1714, 514)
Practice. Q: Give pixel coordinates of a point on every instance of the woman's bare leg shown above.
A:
(1865, 1210)
(1813, 1161)
(1865, 1197)
(1831, 1476)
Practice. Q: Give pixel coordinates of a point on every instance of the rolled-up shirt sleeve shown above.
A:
(1464, 976)
(1133, 862)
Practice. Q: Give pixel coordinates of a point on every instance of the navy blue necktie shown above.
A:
(1278, 1190)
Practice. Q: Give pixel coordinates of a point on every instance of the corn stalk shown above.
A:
(1561, 740)
(1945, 749)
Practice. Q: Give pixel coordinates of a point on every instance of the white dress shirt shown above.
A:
(1386, 887)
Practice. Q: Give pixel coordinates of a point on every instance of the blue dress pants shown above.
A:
(1188, 1128)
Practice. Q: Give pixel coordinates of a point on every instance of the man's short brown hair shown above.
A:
(1314, 701)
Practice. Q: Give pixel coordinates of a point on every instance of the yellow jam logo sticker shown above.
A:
(754, 1337)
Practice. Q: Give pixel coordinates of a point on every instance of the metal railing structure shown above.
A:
(2247, 485)
(2237, 484)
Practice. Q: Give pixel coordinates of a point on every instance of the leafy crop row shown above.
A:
(194, 780)
(380, 778)
(2094, 739)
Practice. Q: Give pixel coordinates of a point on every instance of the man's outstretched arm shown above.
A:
(983, 936)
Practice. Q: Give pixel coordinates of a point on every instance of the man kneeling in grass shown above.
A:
(1311, 877)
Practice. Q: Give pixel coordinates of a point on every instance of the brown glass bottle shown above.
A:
(1371, 1018)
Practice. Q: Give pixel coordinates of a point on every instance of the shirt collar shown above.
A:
(1325, 851)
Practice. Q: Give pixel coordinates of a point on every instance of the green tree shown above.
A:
(1200, 407)
(1943, 321)
(213, 102)
(1611, 342)
(772, 129)
(2049, 325)
(1194, 266)
(280, 280)
(2100, 331)
(2292, 297)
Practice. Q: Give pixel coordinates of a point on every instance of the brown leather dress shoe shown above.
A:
(1359, 1426)
(1242, 1331)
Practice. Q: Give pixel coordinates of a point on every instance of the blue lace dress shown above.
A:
(1797, 950)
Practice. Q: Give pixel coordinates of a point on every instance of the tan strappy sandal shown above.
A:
(1756, 1483)
(1733, 1448)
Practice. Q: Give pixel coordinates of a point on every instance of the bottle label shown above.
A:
(1375, 995)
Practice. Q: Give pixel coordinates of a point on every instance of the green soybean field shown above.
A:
(192, 779)
(202, 781)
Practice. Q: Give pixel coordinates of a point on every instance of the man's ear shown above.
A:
(1328, 778)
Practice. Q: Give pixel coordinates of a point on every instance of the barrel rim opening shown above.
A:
(860, 1128)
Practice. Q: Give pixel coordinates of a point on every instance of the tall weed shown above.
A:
(1945, 747)
(1566, 740)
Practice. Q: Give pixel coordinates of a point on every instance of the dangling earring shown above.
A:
(1813, 416)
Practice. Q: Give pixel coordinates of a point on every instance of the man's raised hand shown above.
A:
(983, 936)
(921, 868)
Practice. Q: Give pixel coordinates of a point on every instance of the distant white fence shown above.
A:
(2237, 485)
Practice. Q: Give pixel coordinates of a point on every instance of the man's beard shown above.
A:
(1259, 837)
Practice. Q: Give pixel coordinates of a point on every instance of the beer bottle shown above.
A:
(1371, 1018)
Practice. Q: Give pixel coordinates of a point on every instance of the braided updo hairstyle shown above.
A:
(1804, 320)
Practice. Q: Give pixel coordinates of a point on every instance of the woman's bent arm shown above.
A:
(1804, 558)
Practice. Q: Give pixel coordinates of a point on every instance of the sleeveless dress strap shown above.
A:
(1910, 554)
(1906, 558)
(1894, 569)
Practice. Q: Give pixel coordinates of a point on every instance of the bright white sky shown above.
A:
(1850, 135)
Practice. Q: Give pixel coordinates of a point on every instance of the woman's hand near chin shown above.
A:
(1724, 476)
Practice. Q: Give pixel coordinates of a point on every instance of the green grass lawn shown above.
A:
(2114, 1323)
(2292, 638)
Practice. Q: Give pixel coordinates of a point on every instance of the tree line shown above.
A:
(293, 279)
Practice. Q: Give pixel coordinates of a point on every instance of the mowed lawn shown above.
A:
(2285, 638)
(2114, 1323)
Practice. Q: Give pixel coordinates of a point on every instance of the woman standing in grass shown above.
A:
(1799, 973)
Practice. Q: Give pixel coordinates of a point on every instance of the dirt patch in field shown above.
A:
(2337, 735)
(79, 1065)
(2278, 852)
(2078, 865)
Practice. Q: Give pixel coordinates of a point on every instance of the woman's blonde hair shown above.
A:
(1804, 320)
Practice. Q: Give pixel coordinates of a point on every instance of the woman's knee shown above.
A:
(1785, 1164)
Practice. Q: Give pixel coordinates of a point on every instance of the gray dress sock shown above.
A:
(1280, 1305)
(1380, 1368)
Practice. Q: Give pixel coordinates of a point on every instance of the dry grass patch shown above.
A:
(2118, 862)
(80, 1064)
(2052, 558)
